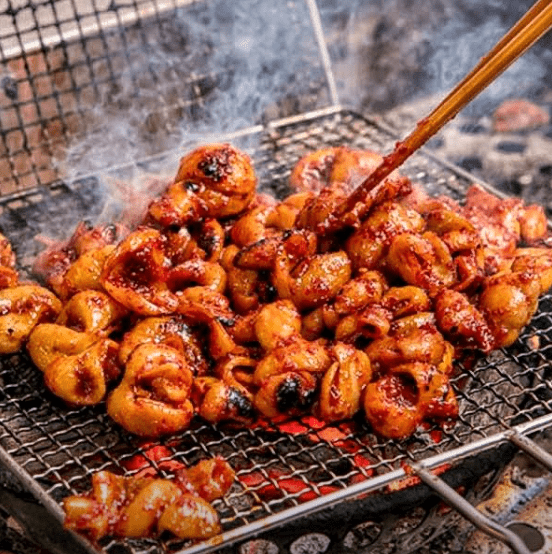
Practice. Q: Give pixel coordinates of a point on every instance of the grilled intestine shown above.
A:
(144, 505)
(23, 304)
(232, 305)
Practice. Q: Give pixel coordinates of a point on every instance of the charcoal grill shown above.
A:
(303, 485)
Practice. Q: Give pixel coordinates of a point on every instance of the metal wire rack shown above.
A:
(146, 71)
(290, 474)
(64, 60)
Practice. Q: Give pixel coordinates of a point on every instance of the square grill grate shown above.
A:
(154, 70)
(282, 470)
(144, 73)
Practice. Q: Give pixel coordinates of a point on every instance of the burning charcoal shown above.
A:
(519, 115)
(472, 128)
(546, 170)
(471, 163)
(548, 132)
(363, 535)
(511, 147)
(511, 186)
(436, 142)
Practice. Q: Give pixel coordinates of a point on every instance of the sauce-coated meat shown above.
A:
(230, 305)
(146, 506)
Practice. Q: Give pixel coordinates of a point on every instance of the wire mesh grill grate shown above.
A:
(66, 66)
(144, 71)
(63, 59)
(278, 468)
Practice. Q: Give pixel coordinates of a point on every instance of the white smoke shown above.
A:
(391, 52)
(215, 67)
(209, 68)
(187, 76)
(460, 49)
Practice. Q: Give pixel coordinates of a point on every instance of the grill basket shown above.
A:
(338, 487)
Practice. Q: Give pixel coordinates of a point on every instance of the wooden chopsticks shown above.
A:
(532, 26)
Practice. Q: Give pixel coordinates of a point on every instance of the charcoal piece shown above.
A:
(471, 163)
(472, 128)
(511, 147)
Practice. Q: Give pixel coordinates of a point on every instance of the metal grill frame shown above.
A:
(39, 116)
(69, 445)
